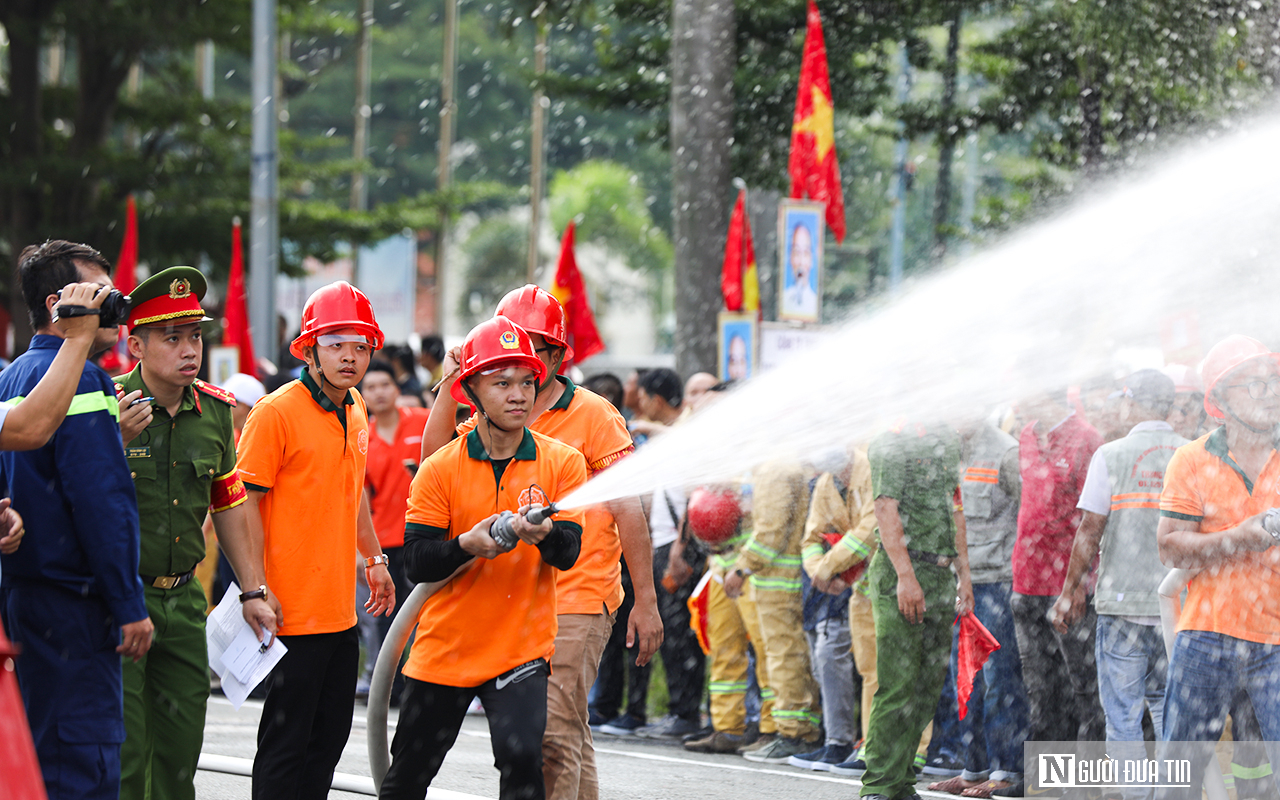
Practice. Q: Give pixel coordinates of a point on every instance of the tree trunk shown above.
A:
(703, 55)
(22, 21)
(947, 136)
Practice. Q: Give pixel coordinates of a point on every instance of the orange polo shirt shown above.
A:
(591, 425)
(1239, 597)
(500, 612)
(308, 455)
(387, 478)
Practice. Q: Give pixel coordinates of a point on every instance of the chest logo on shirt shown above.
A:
(534, 496)
(362, 441)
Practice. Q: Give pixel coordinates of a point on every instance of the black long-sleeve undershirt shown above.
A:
(430, 556)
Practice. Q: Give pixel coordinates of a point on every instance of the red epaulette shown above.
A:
(216, 392)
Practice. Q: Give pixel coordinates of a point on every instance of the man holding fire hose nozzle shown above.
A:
(1218, 519)
(491, 632)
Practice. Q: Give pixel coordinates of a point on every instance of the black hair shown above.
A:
(664, 383)
(44, 269)
(378, 365)
(433, 345)
(607, 385)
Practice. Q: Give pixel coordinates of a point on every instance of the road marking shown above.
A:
(810, 776)
(357, 784)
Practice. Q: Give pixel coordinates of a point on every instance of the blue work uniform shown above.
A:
(74, 581)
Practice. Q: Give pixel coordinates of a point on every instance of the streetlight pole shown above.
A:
(264, 212)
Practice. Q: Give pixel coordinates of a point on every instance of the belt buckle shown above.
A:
(166, 581)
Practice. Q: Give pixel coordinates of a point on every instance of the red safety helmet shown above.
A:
(1225, 356)
(537, 311)
(713, 515)
(337, 305)
(495, 343)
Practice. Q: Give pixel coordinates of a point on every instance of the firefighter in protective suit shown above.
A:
(731, 624)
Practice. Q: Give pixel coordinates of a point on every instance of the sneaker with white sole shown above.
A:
(778, 751)
(824, 758)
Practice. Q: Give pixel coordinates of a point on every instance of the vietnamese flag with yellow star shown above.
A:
(815, 171)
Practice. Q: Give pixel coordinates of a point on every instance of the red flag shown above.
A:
(814, 168)
(126, 277)
(699, 604)
(739, 281)
(974, 644)
(572, 294)
(117, 360)
(236, 317)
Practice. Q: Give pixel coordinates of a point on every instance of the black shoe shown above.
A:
(669, 727)
(700, 733)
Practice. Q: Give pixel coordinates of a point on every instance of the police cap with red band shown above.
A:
(170, 297)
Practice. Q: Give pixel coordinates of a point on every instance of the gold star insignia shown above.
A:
(820, 123)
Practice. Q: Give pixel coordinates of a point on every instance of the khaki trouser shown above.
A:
(729, 630)
(786, 653)
(568, 758)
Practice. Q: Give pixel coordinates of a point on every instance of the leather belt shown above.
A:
(169, 581)
(930, 558)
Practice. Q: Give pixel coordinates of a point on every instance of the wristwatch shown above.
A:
(1271, 523)
(257, 594)
(381, 558)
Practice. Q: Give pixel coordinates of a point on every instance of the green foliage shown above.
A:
(608, 204)
(1151, 67)
(497, 253)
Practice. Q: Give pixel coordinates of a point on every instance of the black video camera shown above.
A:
(113, 313)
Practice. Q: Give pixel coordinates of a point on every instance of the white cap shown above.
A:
(246, 388)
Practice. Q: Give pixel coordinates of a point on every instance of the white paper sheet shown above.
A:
(235, 653)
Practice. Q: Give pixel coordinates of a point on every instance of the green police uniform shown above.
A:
(182, 466)
(919, 467)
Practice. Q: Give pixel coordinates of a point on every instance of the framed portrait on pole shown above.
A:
(738, 345)
(800, 234)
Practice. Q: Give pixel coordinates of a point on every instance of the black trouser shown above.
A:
(306, 718)
(618, 666)
(1059, 672)
(431, 716)
(682, 657)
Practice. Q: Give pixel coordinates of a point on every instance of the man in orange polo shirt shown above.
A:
(302, 458)
(491, 632)
(588, 596)
(393, 460)
(1217, 492)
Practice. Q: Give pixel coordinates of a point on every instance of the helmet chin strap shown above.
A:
(1236, 417)
(553, 372)
(466, 387)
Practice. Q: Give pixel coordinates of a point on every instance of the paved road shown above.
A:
(629, 768)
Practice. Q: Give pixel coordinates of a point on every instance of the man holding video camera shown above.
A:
(72, 598)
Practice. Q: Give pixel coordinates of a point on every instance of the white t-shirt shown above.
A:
(662, 528)
(1096, 494)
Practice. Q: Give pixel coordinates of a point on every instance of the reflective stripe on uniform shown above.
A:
(86, 403)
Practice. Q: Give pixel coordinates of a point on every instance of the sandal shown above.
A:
(985, 789)
(954, 785)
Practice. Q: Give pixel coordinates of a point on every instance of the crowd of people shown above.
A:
(818, 607)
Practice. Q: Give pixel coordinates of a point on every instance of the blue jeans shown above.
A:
(1205, 673)
(1131, 669)
(989, 739)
